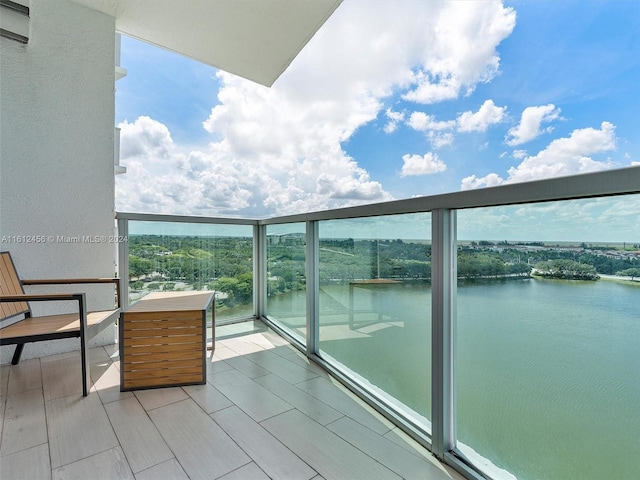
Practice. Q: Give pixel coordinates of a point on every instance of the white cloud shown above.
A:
(563, 156)
(426, 164)
(394, 119)
(491, 180)
(462, 38)
(437, 132)
(568, 156)
(519, 154)
(279, 150)
(145, 136)
(530, 121)
(440, 139)
(440, 133)
(487, 115)
(422, 122)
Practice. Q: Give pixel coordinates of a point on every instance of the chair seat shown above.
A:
(51, 326)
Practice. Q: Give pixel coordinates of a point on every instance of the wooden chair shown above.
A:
(27, 328)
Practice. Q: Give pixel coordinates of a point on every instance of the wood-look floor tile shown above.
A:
(4, 383)
(143, 445)
(99, 355)
(282, 367)
(396, 458)
(4, 379)
(113, 350)
(3, 403)
(159, 397)
(32, 463)
(241, 346)
(203, 449)
(25, 376)
(209, 398)
(78, 428)
(106, 382)
(265, 450)
(277, 340)
(61, 356)
(249, 472)
(307, 404)
(299, 359)
(217, 366)
(325, 390)
(108, 465)
(327, 453)
(260, 340)
(223, 353)
(247, 367)
(169, 470)
(25, 424)
(62, 377)
(251, 397)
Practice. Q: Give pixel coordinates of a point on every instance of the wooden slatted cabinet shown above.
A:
(163, 340)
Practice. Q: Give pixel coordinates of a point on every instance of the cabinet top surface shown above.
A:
(172, 301)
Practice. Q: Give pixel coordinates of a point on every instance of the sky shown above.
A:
(389, 100)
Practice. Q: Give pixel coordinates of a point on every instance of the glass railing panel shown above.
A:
(286, 280)
(548, 335)
(375, 306)
(167, 256)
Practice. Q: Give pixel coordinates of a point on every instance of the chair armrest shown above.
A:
(79, 297)
(69, 281)
(64, 281)
(41, 297)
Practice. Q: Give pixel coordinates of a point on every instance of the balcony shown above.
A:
(409, 306)
(363, 341)
(266, 412)
(358, 330)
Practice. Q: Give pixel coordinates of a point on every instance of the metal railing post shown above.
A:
(443, 297)
(312, 282)
(260, 270)
(123, 261)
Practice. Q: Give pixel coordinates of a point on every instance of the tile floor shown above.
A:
(265, 412)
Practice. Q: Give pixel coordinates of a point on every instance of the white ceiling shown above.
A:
(255, 39)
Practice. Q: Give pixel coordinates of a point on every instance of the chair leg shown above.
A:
(17, 353)
(86, 372)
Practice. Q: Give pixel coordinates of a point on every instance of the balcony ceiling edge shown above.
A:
(253, 39)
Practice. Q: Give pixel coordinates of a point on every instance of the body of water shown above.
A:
(549, 377)
(547, 371)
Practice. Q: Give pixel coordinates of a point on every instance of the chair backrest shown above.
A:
(10, 284)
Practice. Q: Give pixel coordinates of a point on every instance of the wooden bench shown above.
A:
(27, 328)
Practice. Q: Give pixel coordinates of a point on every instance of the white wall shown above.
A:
(57, 148)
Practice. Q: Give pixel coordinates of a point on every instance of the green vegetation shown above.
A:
(566, 270)
(630, 272)
(225, 264)
(475, 265)
(173, 262)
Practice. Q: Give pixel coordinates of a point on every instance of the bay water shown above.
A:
(547, 371)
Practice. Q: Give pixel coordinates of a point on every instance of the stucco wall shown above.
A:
(56, 150)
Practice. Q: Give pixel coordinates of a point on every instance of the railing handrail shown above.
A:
(157, 217)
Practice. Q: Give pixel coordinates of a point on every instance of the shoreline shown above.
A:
(622, 280)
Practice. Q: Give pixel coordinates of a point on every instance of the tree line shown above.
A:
(226, 263)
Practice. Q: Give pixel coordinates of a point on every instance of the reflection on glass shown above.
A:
(286, 281)
(171, 256)
(548, 334)
(375, 305)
